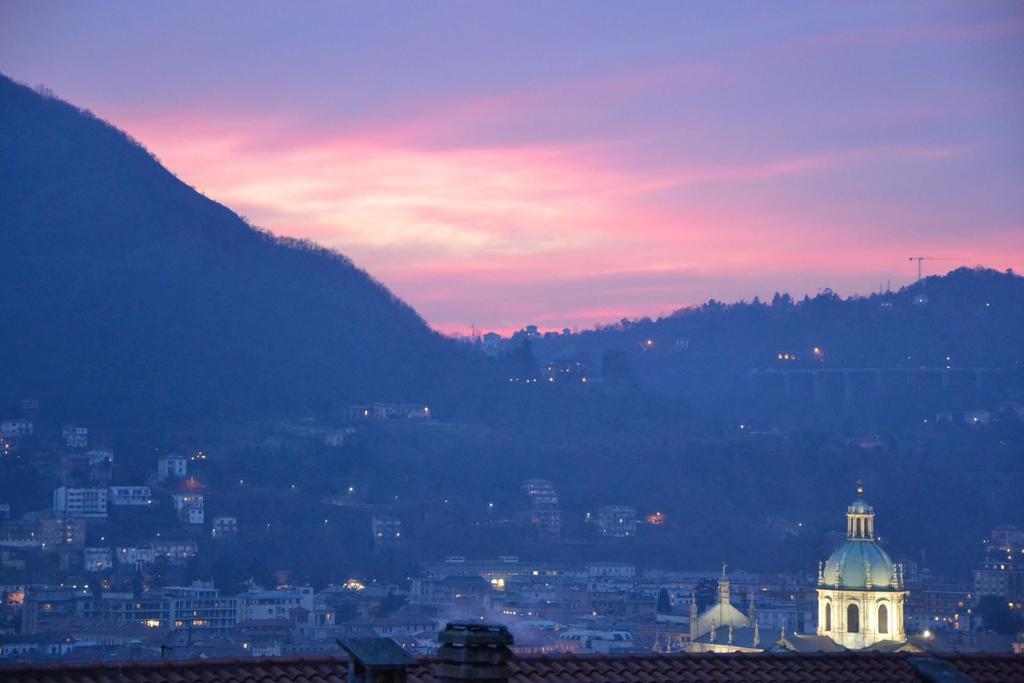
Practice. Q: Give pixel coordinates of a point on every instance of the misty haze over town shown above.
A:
(511, 342)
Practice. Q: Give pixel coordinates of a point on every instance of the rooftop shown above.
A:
(653, 668)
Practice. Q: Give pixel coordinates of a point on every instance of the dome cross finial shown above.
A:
(860, 487)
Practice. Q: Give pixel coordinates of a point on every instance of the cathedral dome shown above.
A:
(850, 564)
(860, 563)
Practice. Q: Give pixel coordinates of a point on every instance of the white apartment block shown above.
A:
(80, 502)
(258, 605)
(171, 466)
(175, 552)
(131, 495)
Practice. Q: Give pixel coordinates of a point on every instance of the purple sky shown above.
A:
(571, 163)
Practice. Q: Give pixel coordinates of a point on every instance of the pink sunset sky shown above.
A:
(567, 164)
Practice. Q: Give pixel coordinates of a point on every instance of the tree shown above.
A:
(521, 361)
(780, 300)
(707, 594)
(615, 366)
(996, 615)
(664, 603)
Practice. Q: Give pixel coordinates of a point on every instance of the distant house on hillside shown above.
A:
(171, 466)
(223, 527)
(978, 416)
(406, 411)
(16, 428)
(131, 495)
(335, 438)
(75, 436)
(355, 413)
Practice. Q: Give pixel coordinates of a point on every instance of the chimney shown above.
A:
(376, 660)
(475, 652)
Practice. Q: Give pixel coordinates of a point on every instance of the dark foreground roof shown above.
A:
(641, 668)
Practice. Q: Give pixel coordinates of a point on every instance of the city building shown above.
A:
(978, 416)
(174, 552)
(190, 507)
(616, 521)
(613, 571)
(136, 557)
(130, 495)
(261, 605)
(99, 456)
(61, 532)
(938, 604)
(16, 428)
(47, 609)
(387, 531)
(75, 436)
(860, 590)
(80, 502)
(223, 527)
(491, 343)
(356, 413)
(189, 502)
(543, 514)
(171, 466)
(335, 438)
(405, 411)
(1007, 538)
(30, 407)
(97, 559)
(1002, 576)
(198, 607)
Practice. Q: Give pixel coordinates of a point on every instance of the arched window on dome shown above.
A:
(828, 616)
(852, 619)
(858, 534)
(883, 619)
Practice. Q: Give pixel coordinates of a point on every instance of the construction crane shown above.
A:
(919, 259)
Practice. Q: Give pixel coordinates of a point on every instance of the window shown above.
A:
(852, 619)
(828, 616)
(883, 619)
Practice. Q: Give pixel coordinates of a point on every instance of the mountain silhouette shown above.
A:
(127, 293)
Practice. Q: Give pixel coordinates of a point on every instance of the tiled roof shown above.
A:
(642, 668)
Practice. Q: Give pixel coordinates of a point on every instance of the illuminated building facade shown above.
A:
(860, 590)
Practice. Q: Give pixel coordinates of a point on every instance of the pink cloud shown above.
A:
(568, 232)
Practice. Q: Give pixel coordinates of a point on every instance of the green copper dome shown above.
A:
(860, 507)
(852, 560)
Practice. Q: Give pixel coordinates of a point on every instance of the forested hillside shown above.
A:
(126, 293)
